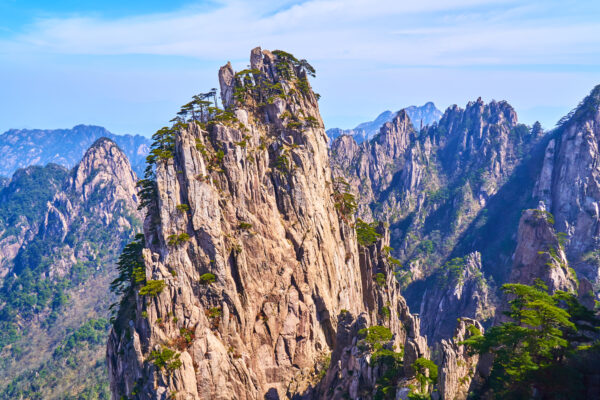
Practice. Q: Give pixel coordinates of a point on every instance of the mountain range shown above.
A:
(24, 147)
(422, 255)
(420, 116)
(276, 267)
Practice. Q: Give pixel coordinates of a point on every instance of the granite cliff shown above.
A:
(255, 279)
(264, 272)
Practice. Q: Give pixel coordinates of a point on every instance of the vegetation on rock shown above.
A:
(545, 346)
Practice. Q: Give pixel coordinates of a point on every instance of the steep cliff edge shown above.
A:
(460, 370)
(540, 253)
(251, 263)
(458, 290)
(569, 185)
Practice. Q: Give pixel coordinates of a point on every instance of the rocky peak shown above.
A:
(346, 147)
(255, 261)
(394, 137)
(102, 184)
(420, 116)
(477, 124)
(540, 253)
(66, 229)
(459, 369)
(104, 165)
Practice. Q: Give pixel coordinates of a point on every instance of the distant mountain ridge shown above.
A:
(420, 116)
(24, 147)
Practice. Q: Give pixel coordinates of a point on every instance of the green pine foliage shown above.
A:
(165, 359)
(426, 373)
(152, 288)
(376, 339)
(366, 232)
(178, 239)
(207, 279)
(344, 201)
(541, 347)
(130, 267)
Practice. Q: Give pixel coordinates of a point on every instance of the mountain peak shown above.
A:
(395, 136)
(104, 163)
(586, 110)
(23, 147)
(420, 116)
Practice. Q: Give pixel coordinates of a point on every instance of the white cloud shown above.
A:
(370, 56)
(433, 32)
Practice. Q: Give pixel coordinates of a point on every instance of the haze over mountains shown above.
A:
(24, 147)
(420, 116)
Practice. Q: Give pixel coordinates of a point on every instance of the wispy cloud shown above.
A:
(462, 32)
(370, 55)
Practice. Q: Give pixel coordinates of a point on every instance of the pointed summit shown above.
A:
(395, 136)
(104, 165)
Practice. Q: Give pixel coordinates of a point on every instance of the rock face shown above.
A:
(25, 147)
(394, 157)
(569, 185)
(433, 187)
(353, 374)
(458, 368)
(68, 239)
(540, 253)
(261, 218)
(461, 291)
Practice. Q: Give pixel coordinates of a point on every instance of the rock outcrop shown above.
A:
(354, 373)
(259, 273)
(540, 253)
(460, 290)
(458, 368)
(569, 185)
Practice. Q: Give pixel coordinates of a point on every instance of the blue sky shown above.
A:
(128, 65)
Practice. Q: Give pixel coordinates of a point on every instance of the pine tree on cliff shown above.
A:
(541, 348)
